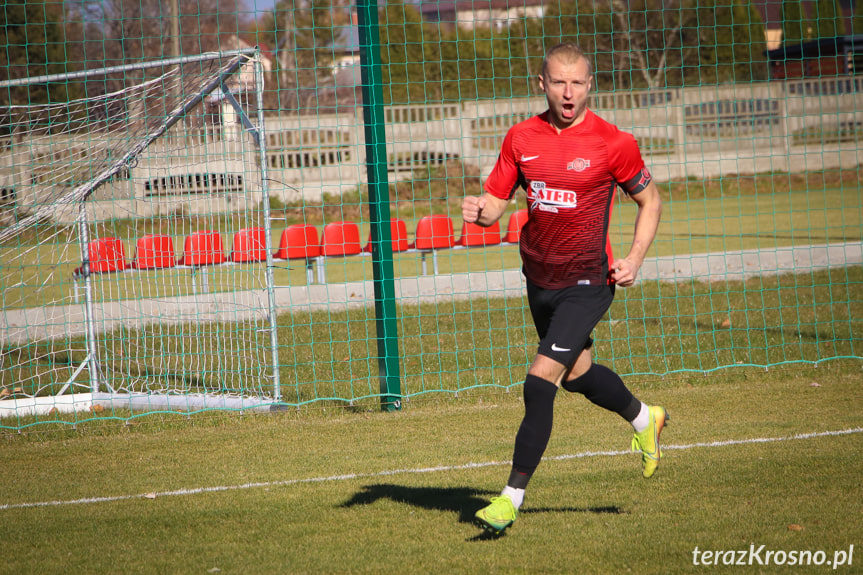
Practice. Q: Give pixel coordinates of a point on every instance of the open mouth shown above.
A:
(568, 110)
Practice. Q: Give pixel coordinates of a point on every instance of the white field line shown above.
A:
(387, 473)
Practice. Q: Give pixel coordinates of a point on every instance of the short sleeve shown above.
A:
(626, 164)
(504, 177)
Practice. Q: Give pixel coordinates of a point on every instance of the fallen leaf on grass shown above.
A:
(726, 323)
(814, 384)
(795, 527)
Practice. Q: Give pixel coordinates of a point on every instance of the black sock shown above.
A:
(604, 388)
(535, 430)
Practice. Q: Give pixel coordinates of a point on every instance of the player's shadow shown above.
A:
(463, 501)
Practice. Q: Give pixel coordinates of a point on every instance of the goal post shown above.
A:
(149, 196)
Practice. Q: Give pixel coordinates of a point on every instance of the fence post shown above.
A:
(379, 205)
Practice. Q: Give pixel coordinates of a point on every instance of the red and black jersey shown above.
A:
(570, 178)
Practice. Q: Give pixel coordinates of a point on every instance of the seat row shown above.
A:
(298, 241)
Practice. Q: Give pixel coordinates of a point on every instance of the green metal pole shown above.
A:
(379, 205)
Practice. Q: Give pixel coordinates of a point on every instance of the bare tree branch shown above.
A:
(637, 52)
(620, 12)
(669, 42)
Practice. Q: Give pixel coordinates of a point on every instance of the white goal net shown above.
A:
(135, 251)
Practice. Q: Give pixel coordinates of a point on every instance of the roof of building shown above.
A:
(817, 48)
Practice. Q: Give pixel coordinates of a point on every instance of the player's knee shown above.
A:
(547, 369)
(582, 383)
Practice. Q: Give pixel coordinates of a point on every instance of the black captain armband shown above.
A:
(638, 182)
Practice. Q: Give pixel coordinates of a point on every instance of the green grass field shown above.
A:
(334, 491)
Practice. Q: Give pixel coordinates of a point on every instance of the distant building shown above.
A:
(839, 56)
(470, 14)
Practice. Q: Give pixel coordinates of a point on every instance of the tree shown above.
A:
(590, 26)
(303, 33)
(751, 43)
(528, 37)
(278, 27)
(795, 29)
(635, 43)
(410, 56)
(857, 22)
(120, 32)
(203, 23)
(826, 14)
(652, 37)
(828, 19)
(34, 44)
(736, 40)
(459, 65)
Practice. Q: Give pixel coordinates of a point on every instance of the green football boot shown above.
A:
(647, 442)
(497, 516)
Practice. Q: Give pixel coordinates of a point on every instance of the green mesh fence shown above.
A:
(375, 121)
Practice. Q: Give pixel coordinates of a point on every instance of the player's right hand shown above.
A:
(471, 208)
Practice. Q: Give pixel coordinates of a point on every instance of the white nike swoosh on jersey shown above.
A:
(528, 158)
(555, 348)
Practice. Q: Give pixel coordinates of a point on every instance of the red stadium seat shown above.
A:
(250, 245)
(341, 239)
(106, 255)
(202, 249)
(476, 235)
(434, 233)
(153, 252)
(299, 241)
(513, 228)
(399, 234)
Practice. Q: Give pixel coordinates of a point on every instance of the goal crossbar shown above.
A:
(247, 52)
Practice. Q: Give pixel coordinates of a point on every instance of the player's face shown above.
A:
(566, 87)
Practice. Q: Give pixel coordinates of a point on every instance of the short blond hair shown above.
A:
(567, 53)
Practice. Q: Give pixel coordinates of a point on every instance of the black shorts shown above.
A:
(565, 318)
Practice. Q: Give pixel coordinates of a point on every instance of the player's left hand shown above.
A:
(624, 272)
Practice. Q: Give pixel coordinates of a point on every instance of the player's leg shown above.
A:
(531, 440)
(603, 387)
(560, 345)
(563, 326)
(540, 390)
(530, 443)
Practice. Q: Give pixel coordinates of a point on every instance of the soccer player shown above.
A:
(570, 162)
